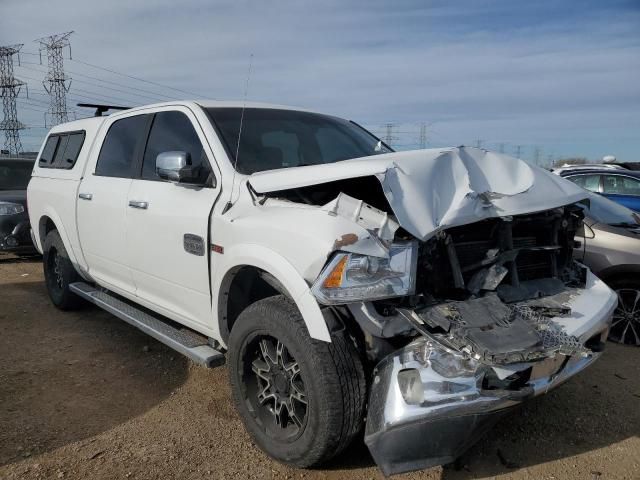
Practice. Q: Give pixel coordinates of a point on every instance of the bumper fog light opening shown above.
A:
(11, 241)
(410, 385)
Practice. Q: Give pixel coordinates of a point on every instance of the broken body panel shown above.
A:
(499, 311)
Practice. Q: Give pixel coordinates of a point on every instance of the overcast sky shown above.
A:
(560, 75)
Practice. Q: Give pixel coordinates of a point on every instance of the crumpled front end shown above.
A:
(429, 403)
(465, 258)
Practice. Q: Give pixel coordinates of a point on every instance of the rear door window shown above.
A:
(120, 146)
(588, 182)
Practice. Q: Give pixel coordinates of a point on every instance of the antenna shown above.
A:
(235, 163)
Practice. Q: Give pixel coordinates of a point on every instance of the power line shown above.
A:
(10, 88)
(135, 78)
(22, 107)
(71, 94)
(155, 99)
(37, 102)
(40, 105)
(157, 96)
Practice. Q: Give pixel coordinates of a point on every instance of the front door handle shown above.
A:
(136, 204)
(85, 196)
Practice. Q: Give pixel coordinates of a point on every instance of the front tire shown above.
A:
(302, 400)
(59, 273)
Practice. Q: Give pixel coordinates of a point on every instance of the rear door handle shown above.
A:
(85, 196)
(136, 204)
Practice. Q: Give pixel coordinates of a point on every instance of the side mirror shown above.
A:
(176, 167)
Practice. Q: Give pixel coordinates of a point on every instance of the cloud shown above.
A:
(561, 75)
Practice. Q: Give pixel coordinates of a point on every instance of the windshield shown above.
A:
(15, 174)
(603, 210)
(273, 138)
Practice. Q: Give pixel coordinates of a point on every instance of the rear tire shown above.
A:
(302, 400)
(59, 273)
(625, 327)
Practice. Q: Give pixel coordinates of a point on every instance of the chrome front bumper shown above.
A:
(427, 404)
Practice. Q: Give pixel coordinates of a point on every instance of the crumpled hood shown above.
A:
(429, 190)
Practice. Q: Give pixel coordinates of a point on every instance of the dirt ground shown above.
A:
(84, 395)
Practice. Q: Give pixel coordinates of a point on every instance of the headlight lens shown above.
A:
(351, 277)
(432, 374)
(10, 208)
(444, 362)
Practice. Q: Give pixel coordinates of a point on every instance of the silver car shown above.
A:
(611, 249)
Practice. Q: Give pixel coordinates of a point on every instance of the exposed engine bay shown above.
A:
(489, 288)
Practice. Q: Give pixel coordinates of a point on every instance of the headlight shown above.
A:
(351, 277)
(446, 363)
(432, 374)
(10, 208)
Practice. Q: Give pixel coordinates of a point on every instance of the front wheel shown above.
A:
(302, 400)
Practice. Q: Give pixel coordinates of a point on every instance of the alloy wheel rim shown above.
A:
(276, 392)
(625, 326)
(56, 267)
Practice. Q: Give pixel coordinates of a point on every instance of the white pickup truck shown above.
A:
(429, 291)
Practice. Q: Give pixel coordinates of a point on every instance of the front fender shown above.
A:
(282, 270)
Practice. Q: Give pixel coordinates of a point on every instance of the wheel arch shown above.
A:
(258, 272)
(45, 225)
(49, 221)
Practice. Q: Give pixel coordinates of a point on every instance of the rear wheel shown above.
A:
(625, 326)
(302, 400)
(59, 273)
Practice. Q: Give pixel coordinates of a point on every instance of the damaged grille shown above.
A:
(499, 254)
(493, 288)
(529, 264)
(552, 337)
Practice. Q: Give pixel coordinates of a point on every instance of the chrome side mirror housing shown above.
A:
(176, 167)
